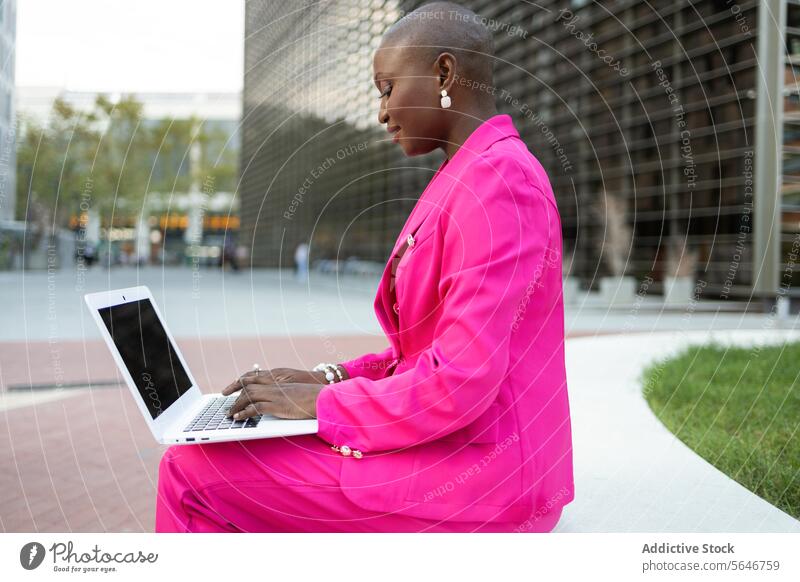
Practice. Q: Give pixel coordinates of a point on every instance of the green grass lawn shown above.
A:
(738, 408)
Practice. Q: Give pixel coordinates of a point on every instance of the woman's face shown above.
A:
(410, 99)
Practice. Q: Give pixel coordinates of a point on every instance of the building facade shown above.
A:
(670, 154)
(8, 129)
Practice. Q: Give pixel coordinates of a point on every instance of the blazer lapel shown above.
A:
(497, 128)
(386, 298)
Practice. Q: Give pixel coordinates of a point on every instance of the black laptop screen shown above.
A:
(147, 352)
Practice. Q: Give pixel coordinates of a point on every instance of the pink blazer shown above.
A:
(465, 416)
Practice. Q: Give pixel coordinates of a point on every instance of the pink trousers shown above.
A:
(273, 485)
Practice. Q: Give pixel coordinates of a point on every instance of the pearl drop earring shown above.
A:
(445, 101)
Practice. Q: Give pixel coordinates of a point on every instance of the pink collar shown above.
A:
(490, 131)
(494, 129)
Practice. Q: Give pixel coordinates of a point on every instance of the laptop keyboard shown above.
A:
(212, 417)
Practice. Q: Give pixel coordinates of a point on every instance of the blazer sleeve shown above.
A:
(496, 228)
(371, 366)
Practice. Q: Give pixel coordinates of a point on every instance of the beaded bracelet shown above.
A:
(331, 372)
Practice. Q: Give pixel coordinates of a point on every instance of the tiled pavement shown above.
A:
(61, 472)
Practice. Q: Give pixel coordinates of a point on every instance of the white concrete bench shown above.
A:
(631, 473)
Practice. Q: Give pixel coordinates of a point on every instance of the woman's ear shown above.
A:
(446, 66)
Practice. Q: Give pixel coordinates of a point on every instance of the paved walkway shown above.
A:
(197, 303)
(80, 459)
(62, 473)
(632, 474)
(84, 460)
(265, 302)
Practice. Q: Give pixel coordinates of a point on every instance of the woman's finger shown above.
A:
(269, 376)
(244, 399)
(246, 412)
(256, 409)
(242, 381)
(252, 377)
(237, 384)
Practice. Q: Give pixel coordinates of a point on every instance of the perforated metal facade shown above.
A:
(653, 112)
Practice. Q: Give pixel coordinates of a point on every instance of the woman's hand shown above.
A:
(288, 376)
(261, 393)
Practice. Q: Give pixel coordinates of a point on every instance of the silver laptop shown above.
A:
(161, 383)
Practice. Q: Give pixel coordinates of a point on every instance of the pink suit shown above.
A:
(463, 423)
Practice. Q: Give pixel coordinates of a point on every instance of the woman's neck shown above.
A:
(465, 125)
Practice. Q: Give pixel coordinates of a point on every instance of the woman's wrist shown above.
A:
(343, 370)
(329, 373)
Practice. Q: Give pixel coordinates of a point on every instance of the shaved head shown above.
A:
(447, 27)
(433, 71)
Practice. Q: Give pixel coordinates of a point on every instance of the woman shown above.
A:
(463, 423)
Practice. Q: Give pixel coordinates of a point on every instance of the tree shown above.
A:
(108, 158)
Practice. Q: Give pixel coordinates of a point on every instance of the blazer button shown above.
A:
(410, 240)
(396, 308)
(345, 450)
